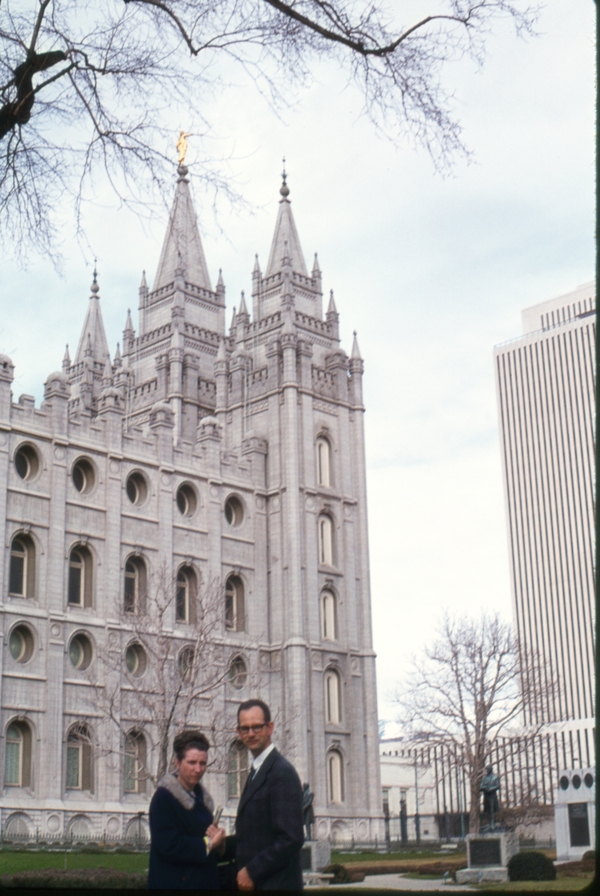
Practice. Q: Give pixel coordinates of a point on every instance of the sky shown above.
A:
(431, 272)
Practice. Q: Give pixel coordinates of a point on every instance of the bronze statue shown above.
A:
(308, 813)
(490, 785)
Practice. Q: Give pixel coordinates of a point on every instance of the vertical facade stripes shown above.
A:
(545, 387)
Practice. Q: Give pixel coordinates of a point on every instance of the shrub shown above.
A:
(531, 865)
(589, 855)
(89, 878)
(341, 875)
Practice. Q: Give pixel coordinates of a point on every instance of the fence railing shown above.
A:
(100, 842)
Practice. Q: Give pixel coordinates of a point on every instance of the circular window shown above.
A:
(27, 462)
(185, 662)
(564, 782)
(576, 782)
(80, 651)
(135, 660)
(83, 476)
(186, 500)
(589, 780)
(21, 643)
(234, 512)
(137, 489)
(237, 672)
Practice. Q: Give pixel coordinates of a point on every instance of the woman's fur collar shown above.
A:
(171, 783)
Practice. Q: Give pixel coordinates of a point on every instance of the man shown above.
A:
(269, 819)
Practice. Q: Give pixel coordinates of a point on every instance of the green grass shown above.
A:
(541, 886)
(407, 855)
(13, 862)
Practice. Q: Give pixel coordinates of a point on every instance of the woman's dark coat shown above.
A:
(178, 823)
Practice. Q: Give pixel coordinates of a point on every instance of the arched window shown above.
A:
(186, 595)
(134, 767)
(328, 616)
(134, 598)
(22, 567)
(335, 778)
(17, 760)
(325, 540)
(79, 828)
(237, 769)
(323, 462)
(234, 605)
(333, 697)
(17, 827)
(79, 759)
(80, 577)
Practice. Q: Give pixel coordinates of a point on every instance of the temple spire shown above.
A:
(92, 342)
(182, 247)
(285, 232)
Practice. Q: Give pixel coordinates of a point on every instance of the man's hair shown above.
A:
(248, 704)
(190, 739)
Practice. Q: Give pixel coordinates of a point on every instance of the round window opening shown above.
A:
(21, 644)
(186, 500)
(564, 782)
(589, 780)
(238, 673)
(80, 652)
(135, 660)
(576, 782)
(83, 476)
(137, 489)
(234, 512)
(27, 462)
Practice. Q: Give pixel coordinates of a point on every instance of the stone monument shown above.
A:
(489, 852)
(316, 854)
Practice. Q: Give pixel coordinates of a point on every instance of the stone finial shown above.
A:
(66, 361)
(355, 355)
(331, 309)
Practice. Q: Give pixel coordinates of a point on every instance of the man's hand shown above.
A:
(216, 836)
(244, 881)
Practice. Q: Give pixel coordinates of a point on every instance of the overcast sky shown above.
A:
(432, 272)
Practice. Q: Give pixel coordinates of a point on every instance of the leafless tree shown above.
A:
(161, 676)
(466, 691)
(87, 84)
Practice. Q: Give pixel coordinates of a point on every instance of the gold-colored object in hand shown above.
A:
(182, 146)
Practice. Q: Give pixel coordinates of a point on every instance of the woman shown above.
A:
(184, 842)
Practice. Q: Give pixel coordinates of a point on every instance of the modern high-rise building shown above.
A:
(205, 455)
(546, 398)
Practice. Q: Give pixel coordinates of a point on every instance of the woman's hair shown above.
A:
(189, 739)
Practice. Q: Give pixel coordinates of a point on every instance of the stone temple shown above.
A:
(227, 468)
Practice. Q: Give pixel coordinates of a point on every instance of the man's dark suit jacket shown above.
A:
(269, 828)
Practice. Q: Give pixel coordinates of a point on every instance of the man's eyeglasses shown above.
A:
(255, 729)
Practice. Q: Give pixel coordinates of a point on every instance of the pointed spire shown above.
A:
(92, 342)
(182, 247)
(355, 355)
(118, 361)
(66, 362)
(316, 271)
(256, 268)
(129, 323)
(331, 309)
(285, 232)
(233, 320)
(107, 374)
(143, 284)
(220, 282)
(243, 310)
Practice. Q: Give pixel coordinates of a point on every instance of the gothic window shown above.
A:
(80, 577)
(134, 766)
(79, 759)
(325, 540)
(333, 697)
(186, 594)
(134, 599)
(21, 580)
(323, 462)
(185, 662)
(237, 769)
(328, 616)
(17, 759)
(234, 605)
(335, 778)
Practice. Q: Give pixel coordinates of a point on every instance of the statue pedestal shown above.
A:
(488, 855)
(315, 855)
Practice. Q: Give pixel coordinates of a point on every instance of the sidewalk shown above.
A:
(397, 882)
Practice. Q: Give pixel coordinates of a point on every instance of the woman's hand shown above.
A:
(216, 836)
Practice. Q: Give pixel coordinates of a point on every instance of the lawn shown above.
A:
(539, 886)
(407, 855)
(14, 862)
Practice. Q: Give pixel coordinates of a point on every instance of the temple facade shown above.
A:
(186, 527)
